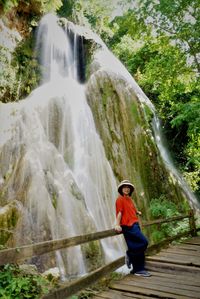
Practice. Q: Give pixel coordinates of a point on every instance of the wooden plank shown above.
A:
(149, 286)
(126, 295)
(112, 294)
(176, 260)
(181, 277)
(149, 292)
(179, 256)
(180, 251)
(166, 242)
(194, 241)
(190, 281)
(171, 268)
(172, 277)
(14, 255)
(164, 285)
(163, 281)
(69, 288)
(187, 247)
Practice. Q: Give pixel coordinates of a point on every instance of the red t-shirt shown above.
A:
(125, 205)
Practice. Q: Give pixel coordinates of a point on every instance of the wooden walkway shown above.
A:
(175, 274)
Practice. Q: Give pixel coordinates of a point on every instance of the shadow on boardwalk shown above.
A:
(175, 274)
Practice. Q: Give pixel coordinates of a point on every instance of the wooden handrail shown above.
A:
(159, 221)
(18, 254)
(22, 253)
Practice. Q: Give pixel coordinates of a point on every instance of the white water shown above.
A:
(56, 158)
(161, 143)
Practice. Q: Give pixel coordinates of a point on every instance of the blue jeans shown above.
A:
(137, 244)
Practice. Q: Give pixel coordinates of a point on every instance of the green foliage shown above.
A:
(186, 116)
(66, 9)
(37, 7)
(163, 208)
(93, 14)
(7, 5)
(27, 67)
(179, 19)
(8, 82)
(16, 284)
(19, 75)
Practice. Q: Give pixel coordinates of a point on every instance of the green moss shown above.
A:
(93, 255)
(54, 200)
(134, 112)
(106, 93)
(76, 192)
(8, 221)
(148, 113)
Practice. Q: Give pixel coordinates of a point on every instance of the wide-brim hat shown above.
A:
(125, 183)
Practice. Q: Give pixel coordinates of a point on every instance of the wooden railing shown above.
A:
(19, 254)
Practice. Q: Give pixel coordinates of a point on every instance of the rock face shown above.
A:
(123, 119)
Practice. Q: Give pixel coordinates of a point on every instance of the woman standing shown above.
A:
(127, 222)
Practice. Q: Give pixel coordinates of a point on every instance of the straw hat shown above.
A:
(126, 183)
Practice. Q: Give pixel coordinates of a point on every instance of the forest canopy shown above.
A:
(158, 42)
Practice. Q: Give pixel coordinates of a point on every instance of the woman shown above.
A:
(127, 222)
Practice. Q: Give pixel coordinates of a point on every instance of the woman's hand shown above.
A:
(139, 213)
(118, 228)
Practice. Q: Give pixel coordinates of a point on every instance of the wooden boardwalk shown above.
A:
(175, 274)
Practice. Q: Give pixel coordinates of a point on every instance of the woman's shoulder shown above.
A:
(120, 198)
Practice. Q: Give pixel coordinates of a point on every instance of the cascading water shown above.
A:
(160, 141)
(58, 158)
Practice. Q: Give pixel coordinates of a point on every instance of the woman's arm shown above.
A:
(118, 220)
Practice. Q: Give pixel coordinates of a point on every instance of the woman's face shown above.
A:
(126, 190)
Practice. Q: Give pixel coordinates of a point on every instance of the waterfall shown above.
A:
(57, 162)
(52, 159)
(161, 143)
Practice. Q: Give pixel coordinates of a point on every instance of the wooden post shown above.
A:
(192, 223)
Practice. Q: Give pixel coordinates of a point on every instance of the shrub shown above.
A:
(163, 208)
(14, 283)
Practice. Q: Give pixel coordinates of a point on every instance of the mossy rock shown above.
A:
(9, 216)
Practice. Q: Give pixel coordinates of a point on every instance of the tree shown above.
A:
(179, 19)
(155, 50)
(94, 14)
